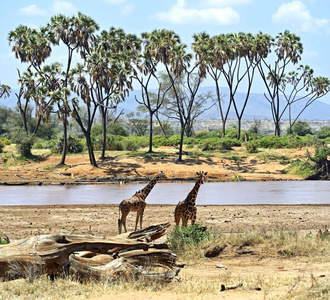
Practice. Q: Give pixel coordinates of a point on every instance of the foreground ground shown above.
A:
(264, 273)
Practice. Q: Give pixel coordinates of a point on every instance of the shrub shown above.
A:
(183, 238)
(219, 144)
(324, 132)
(300, 168)
(300, 128)
(252, 146)
(175, 139)
(1, 147)
(160, 140)
(5, 141)
(24, 145)
(117, 129)
(273, 142)
(232, 132)
(74, 145)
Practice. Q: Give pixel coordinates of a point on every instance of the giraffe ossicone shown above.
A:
(186, 209)
(136, 203)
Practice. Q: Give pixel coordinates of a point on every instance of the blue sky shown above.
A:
(310, 19)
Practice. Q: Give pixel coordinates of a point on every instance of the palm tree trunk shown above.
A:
(181, 145)
(92, 159)
(104, 133)
(65, 142)
(239, 128)
(150, 134)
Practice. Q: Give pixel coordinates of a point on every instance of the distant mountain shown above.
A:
(257, 107)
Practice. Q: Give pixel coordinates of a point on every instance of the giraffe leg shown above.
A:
(177, 218)
(123, 221)
(177, 215)
(141, 218)
(137, 220)
(194, 215)
(184, 221)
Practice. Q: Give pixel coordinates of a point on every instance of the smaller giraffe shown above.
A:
(136, 203)
(186, 209)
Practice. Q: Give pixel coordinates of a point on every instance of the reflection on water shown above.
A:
(216, 193)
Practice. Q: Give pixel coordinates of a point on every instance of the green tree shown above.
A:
(77, 34)
(110, 68)
(136, 124)
(288, 50)
(300, 85)
(165, 46)
(301, 128)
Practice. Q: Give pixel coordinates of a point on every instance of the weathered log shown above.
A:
(55, 253)
(118, 268)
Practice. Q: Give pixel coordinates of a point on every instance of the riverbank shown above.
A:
(236, 165)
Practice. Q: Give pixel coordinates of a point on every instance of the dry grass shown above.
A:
(195, 281)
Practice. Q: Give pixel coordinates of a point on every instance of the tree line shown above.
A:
(111, 61)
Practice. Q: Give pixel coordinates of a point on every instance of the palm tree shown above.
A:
(288, 50)
(165, 46)
(211, 55)
(77, 34)
(110, 69)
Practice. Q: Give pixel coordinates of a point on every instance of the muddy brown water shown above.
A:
(210, 193)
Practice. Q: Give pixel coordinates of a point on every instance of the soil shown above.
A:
(19, 222)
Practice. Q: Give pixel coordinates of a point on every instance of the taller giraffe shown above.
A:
(136, 203)
(186, 209)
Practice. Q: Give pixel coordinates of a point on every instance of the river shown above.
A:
(210, 193)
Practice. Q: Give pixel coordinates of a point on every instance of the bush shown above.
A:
(272, 142)
(5, 141)
(232, 132)
(74, 145)
(324, 132)
(117, 129)
(175, 139)
(24, 145)
(300, 168)
(251, 146)
(183, 238)
(1, 147)
(300, 128)
(160, 140)
(219, 144)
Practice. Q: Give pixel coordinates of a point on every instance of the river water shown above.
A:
(210, 193)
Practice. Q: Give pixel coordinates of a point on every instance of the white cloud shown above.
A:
(224, 3)
(179, 14)
(64, 7)
(127, 9)
(32, 11)
(296, 13)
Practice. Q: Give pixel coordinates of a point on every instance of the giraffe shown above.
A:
(186, 209)
(136, 203)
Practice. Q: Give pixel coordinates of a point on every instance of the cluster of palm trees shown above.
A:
(112, 60)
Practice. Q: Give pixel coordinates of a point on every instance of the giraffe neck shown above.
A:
(191, 198)
(146, 190)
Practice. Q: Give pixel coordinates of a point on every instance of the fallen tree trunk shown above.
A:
(86, 255)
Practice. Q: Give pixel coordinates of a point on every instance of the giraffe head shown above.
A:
(201, 176)
(161, 175)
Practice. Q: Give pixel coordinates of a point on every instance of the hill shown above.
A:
(257, 108)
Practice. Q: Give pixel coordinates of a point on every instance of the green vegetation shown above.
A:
(184, 238)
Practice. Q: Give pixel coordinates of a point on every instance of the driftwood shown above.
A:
(87, 256)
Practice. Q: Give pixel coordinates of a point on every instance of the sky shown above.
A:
(309, 19)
